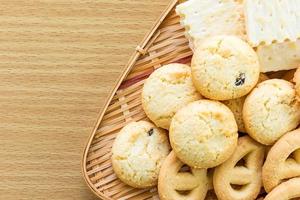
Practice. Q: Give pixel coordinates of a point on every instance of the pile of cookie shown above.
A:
(226, 126)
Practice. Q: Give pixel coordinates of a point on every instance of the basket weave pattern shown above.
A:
(166, 44)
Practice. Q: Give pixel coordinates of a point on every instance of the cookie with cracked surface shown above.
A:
(296, 80)
(168, 89)
(271, 110)
(224, 67)
(236, 106)
(176, 181)
(203, 134)
(138, 153)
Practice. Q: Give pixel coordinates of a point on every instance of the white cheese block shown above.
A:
(270, 21)
(279, 56)
(205, 18)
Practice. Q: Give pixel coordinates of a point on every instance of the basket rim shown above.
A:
(124, 73)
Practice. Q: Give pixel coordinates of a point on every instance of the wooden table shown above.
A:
(59, 59)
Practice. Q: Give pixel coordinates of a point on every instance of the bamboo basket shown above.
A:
(166, 43)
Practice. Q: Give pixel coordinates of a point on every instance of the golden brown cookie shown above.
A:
(285, 191)
(296, 80)
(168, 89)
(224, 67)
(236, 106)
(271, 110)
(283, 160)
(176, 184)
(239, 178)
(203, 134)
(138, 153)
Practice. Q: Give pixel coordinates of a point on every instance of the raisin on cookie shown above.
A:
(138, 153)
(236, 106)
(224, 67)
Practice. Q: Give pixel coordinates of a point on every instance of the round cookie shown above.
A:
(203, 134)
(236, 106)
(168, 89)
(271, 110)
(224, 67)
(296, 80)
(138, 153)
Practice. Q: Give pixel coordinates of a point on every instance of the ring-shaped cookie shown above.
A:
(283, 160)
(285, 191)
(240, 181)
(176, 185)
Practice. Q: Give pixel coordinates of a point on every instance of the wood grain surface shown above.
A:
(59, 59)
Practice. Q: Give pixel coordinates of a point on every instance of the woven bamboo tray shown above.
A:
(166, 43)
